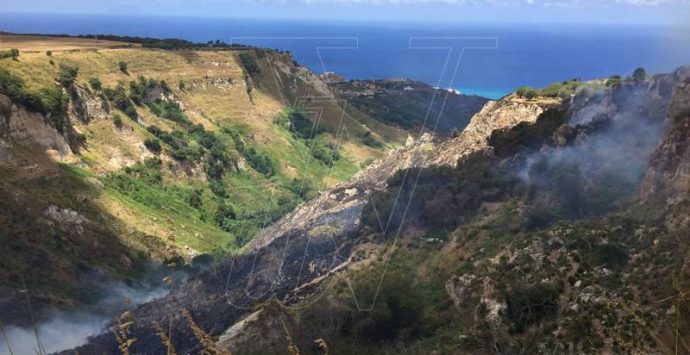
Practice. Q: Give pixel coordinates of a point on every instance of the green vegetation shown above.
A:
(318, 143)
(123, 67)
(118, 97)
(12, 53)
(117, 120)
(95, 84)
(49, 101)
(67, 74)
(528, 305)
(614, 80)
(248, 60)
(639, 75)
(154, 145)
(555, 90)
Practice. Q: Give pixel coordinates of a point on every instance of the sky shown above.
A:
(531, 11)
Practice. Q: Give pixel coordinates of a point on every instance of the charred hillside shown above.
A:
(542, 233)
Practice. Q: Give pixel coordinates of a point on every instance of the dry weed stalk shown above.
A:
(205, 340)
(292, 348)
(321, 344)
(165, 338)
(124, 322)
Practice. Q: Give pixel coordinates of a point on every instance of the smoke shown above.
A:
(59, 330)
(610, 136)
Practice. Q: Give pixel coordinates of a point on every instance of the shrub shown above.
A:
(249, 63)
(369, 140)
(218, 188)
(169, 110)
(95, 84)
(324, 151)
(520, 92)
(67, 74)
(49, 53)
(194, 200)
(154, 145)
(117, 120)
(531, 94)
(530, 305)
(123, 67)
(12, 53)
(614, 80)
(259, 162)
(119, 98)
(608, 255)
(398, 307)
(225, 215)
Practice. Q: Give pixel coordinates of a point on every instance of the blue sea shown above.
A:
(496, 58)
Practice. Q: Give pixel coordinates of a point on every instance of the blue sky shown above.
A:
(577, 11)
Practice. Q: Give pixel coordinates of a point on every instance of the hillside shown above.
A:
(561, 227)
(120, 158)
(410, 104)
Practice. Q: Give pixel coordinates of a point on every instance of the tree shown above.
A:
(639, 75)
(123, 67)
(67, 74)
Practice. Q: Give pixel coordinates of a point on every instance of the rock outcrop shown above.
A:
(23, 127)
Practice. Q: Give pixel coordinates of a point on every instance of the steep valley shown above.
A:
(278, 219)
(544, 237)
(126, 167)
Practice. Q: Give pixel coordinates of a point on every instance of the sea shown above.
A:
(489, 60)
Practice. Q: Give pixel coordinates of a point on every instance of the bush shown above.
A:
(154, 145)
(324, 151)
(169, 110)
(614, 80)
(120, 100)
(608, 255)
(520, 92)
(369, 140)
(117, 120)
(12, 53)
(49, 53)
(218, 188)
(249, 63)
(67, 74)
(530, 305)
(95, 84)
(225, 215)
(259, 162)
(123, 67)
(531, 94)
(194, 200)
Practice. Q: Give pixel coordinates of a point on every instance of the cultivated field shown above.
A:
(48, 43)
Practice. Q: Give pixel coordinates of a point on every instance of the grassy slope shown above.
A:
(156, 219)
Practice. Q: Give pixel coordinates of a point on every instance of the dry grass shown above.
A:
(205, 340)
(165, 337)
(48, 43)
(123, 324)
